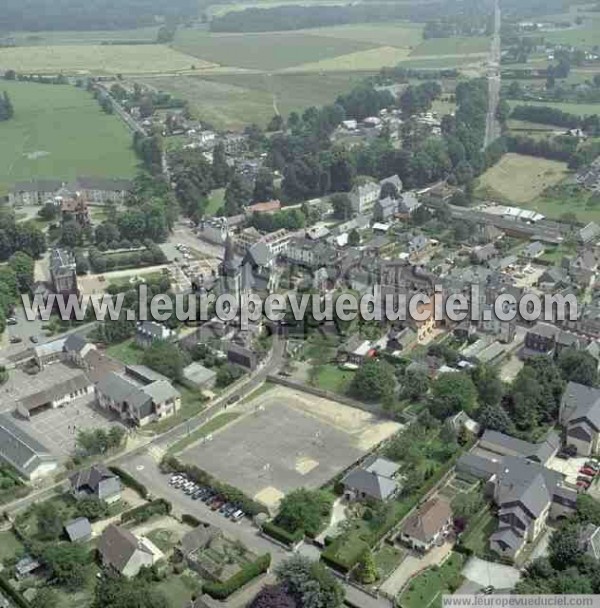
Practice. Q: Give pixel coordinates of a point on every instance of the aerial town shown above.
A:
(448, 149)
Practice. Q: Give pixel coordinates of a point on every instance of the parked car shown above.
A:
(239, 514)
(15, 339)
(588, 471)
(233, 399)
(34, 339)
(585, 479)
(592, 464)
(217, 504)
(562, 454)
(11, 321)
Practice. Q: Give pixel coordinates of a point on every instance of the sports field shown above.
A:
(97, 59)
(519, 178)
(59, 131)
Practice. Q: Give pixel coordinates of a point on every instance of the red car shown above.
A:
(587, 471)
(582, 486)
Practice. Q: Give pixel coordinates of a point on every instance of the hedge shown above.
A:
(190, 520)
(221, 591)
(130, 481)
(13, 594)
(198, 475)
(160, 506)
(282, 535)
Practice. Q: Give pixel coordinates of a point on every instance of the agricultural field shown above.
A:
(264, 51)
(520, 179)
(142, 34)
(97, 59)
(585, 36)
(402, 34)
(568, 198)
(467, 45)
(50, 135)
(371, 59)
(233, 100)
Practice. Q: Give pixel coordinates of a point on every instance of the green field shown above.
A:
(59, 131)
(97, 59)
(453, 46)
(520, 179)
(232, 101)
(586, 36)
(141, 34)
(401, 34)
(264, 51)
(127, 352)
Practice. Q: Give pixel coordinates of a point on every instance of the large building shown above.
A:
(580, 416)
(63, 272)
(139, 396)
(25, 454)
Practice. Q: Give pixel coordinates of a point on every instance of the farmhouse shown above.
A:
(25, 454)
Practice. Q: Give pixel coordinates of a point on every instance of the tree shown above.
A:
(166, 359)
(388, 190)
(45, 597)
(415, 384)
(119, 592)
(490, 388)
(304, 510)
(276, 123)
(68, 564)
(6, 107)
(220, 168)
(237, 195)
(49, 212)
(465, 505)
(273, 596)
(366, 570)
(92, 508)
(342, 206)
(588, 509)
(227, 374)
(451, 393)
(310, 583)
(263, 186)
(496, 418)
(374, 381)
(353, 238)
(578, 366)
(564, 548)
(49, 524)
(22, 265)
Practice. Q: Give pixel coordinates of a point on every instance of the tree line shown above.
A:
(38, 15)
(562, 148)
(553, 116)
(294, 17)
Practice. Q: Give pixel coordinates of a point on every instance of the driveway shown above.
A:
(488, 573)
(411, 565)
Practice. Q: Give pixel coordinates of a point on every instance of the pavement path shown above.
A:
(492, 125)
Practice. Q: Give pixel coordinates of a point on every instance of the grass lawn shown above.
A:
(478, 533)
(569, 198)
(263, 388)
(387, 559)
(442, 107)
(10, 545)
(128, 352)
(519, 178)
(179, 590)
(165, 540)
(206, 429)
(263, 51)
(50, 134)
(426, 590)
(331, 378)
(79, 59)
(215, 201)
(453, 46)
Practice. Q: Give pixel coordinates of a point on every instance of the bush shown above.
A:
(221, 591)
(13, 594)
(160, 506)
(130, 481)
(283, 536)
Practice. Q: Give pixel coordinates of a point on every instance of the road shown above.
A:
(492, 126)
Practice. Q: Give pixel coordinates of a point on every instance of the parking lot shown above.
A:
(287, 440)
(570, 468)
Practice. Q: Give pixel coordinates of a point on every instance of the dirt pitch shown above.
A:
(287, 439)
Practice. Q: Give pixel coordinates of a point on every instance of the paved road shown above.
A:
(492, 126)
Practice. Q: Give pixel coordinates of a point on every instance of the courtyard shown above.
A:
(286, 439)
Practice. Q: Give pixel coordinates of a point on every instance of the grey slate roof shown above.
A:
(20, 449)
(74, 343)
(581, 402)
(371, 484)
(78, 529)
(534, 451)
(90, 479)
(57, 391)
(37, 185)
(381, 466)
(477, 466)
(508, 536)
(160, 391)
(117, 545)
(589, 540)
(259, 255)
